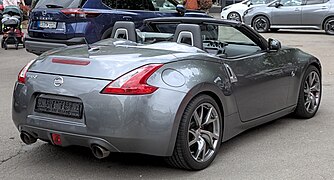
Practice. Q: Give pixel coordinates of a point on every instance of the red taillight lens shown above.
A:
(134, 82)
(1, 7)
(80, 13)
(23, 73)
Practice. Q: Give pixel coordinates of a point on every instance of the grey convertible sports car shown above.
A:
(177, 89)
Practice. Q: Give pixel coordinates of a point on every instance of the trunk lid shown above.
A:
(102, 62)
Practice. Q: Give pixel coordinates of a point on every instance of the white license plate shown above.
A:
(48, 24)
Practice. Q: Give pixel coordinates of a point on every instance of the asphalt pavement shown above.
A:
(283, 149)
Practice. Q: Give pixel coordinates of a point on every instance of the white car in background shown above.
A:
(236, 11)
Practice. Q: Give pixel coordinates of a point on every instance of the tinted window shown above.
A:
(60, 4)
(129, 4)
(314, 2)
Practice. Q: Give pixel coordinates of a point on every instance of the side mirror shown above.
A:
(274, 44)
(250, 4)
(181, 9)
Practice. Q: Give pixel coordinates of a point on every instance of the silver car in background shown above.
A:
(292, 14)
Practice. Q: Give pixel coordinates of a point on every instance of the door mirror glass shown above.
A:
(181, 9)
(274, 44)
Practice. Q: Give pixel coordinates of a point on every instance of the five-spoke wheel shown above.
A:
(199, 135)
(329, 26)
(261, 24)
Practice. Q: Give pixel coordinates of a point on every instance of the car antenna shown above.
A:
(88, 46)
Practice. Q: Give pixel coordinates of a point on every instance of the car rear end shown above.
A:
(58, 24)
(105, 101)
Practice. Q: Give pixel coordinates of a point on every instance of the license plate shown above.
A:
(59, 107)
(47, 24)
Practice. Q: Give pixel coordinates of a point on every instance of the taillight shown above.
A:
(23, 73)
(134, 82)
(80, 13)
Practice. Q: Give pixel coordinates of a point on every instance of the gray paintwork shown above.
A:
(265, 90)
(293, 17)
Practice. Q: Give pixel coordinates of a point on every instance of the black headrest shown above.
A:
(125, 30)
(189, 34)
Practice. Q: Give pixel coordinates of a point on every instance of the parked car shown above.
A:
(292, 14)
(176, 95)
(236, 11)
(55, 23)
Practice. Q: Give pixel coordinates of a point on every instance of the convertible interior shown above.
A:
(205, 37)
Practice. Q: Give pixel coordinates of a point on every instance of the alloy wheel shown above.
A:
(203, 132)
(329, 26)
(312, 91)
(234, 16)
(261, 24)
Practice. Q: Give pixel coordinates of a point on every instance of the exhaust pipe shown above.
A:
(100, 152)
(27, 138)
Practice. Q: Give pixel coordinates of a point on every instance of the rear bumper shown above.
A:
(136, 124)
(39, 45)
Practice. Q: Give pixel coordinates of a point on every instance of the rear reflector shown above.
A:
(71, 61)
(56, 139)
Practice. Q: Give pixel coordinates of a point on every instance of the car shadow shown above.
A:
(128, 165)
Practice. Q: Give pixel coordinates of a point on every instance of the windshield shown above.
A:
(59, 3)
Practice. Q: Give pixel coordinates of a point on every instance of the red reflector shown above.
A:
(56, 139)
(69, 61)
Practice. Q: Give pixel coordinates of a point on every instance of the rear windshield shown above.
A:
(59, 3)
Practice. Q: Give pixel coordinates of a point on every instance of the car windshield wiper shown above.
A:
(53, 6)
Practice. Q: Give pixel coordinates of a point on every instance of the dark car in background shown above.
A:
(55, 23)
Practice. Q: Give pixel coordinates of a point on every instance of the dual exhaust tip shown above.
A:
(98, 151)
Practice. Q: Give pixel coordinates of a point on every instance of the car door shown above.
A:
(260, 79)
(314, 12)
(288, 12)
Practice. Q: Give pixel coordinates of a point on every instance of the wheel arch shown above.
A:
(107, 33)
(200, 89)
(323, 22)
(234, 12)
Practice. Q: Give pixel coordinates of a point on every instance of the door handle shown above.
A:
(129, 18)
(324, 7)
(297, 9)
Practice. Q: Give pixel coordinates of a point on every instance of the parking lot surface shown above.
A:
(283, 149)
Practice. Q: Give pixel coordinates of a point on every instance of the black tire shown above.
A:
(329, 26)
(261, 24)
(304, 109)
(234, 16)
(183, 156)
(274, 29)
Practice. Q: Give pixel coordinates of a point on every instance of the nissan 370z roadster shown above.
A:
(176, 88)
